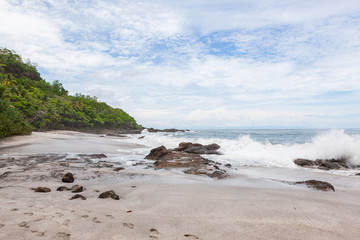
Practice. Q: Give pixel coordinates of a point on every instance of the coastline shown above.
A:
(252, 203)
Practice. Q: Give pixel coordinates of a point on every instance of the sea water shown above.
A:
(262, 147)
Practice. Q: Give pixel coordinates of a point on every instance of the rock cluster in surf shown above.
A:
(187, 156)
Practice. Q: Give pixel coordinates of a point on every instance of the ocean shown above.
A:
(262, 147)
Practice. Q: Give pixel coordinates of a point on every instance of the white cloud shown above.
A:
(183, 62)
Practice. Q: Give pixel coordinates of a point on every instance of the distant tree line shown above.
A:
(28, 102)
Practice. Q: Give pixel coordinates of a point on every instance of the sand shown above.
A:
(253, 203)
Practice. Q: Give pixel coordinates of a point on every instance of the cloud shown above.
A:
(177, 63)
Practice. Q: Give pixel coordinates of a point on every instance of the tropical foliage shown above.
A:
(28, 102)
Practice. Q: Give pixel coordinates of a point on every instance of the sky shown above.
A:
(199, 63)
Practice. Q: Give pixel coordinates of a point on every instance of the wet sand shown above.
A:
(253, 203)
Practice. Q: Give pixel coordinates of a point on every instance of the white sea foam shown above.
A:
(246, 151)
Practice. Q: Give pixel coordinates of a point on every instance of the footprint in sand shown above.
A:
(29, 213)
(59, 214)
(109, 216)
(129, 225)
(66, 223)
(95, 220)
(64, 236)
(38, 233)
(40, 219)
(2, 225)
(129, 211)
(191, 236)
(23, 224)
(84, 216)
(14, 209)
(153, 237)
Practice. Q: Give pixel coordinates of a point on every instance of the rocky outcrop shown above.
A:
(165, 130)
(318, 185)
(68, 178)
(191, 162)
(197, 148)
(325, 164)
(109, 194)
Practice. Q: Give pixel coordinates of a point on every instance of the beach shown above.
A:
(251, 203)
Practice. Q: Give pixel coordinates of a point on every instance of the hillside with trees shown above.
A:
(29, 103)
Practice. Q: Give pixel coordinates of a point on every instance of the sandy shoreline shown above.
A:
(251, 204)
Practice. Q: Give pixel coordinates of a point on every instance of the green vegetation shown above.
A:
(28, 102)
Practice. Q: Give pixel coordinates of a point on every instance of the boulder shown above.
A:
(304, 162)
(197, 148)
(68, 178)
(157, 153)
(42, 189)
(318, 185)
(325, 164)
(76, 196)
(109, 194)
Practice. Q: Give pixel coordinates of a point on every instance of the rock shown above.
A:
(228, 165)
(218, 174)
(42, 189)
(318, 185)
(304, 162)
(109, 194)
(325, 164)
(115, 135)
(119, 169)
(198, 148)
(76, 196)
(62, 188)
(76, 189)
(68, 178)
(194, 163)
(157, 153)
(357, 174)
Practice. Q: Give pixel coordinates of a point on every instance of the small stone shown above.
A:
(76, 196)
(77, 188)
(119, 169)
(109, 194)
(228, 165)
(42, 189)
(68, 178)
(62, 188)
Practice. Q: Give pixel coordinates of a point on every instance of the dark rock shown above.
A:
(119, 169)
(76, 196)
(318, 185)
(228, 165)
(198, 148)
(357, 174)
(141, 137)
(76, 189)
(194, 163)
(304, 162)
(62, 188)
(109, 194)
(157, 153)
(325, 164)
(218, 174)
(172, 130)
(42, 189)
(68, 178)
